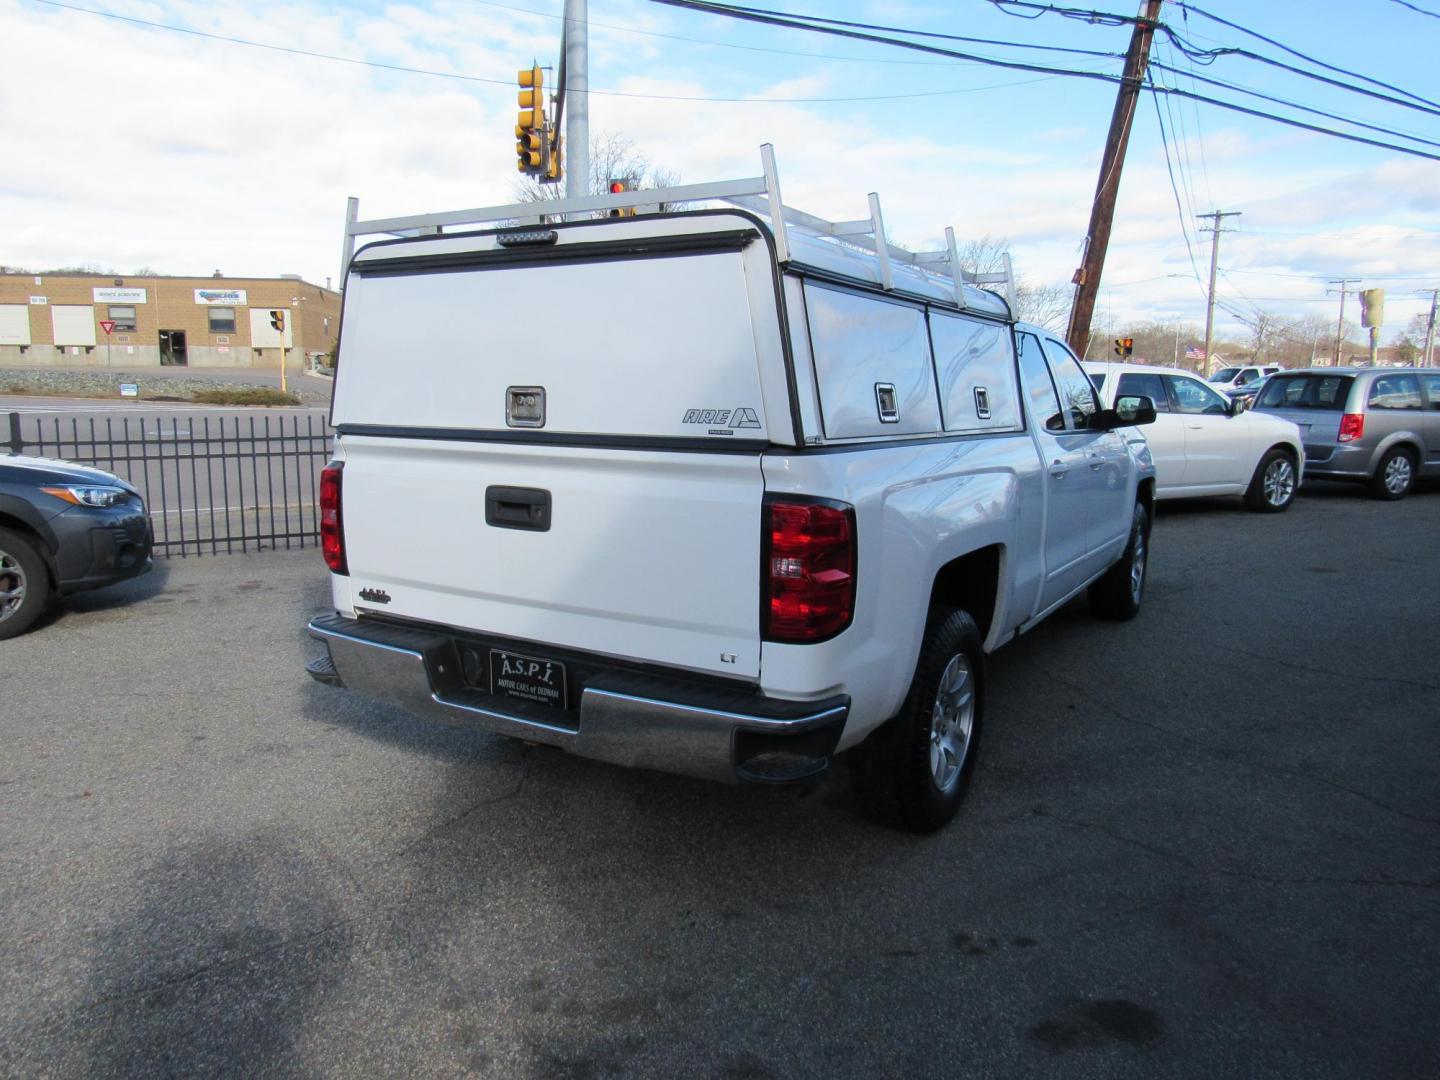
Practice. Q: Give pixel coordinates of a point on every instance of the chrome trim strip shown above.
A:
(764, 722)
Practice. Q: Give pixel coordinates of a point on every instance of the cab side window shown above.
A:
(1040, 397)
(1147, 384)
(1077, 393)
(1432, 390)
(1193, 396)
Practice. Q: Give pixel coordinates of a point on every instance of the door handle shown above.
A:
(1196, 427)
(1058, 469)
(517, 508)
(1095, 461)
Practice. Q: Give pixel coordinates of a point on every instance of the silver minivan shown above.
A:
(1380, 426)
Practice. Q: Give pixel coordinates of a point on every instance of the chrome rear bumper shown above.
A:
(622, 717)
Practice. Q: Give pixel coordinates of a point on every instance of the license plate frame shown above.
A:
(537, 680)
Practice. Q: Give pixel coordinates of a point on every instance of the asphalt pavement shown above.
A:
(1205, 843)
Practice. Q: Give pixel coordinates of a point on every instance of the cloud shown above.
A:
(184, 154)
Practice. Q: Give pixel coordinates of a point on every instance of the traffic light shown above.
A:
(530, 133)
(1124, 346)
(277, 320)
(553, 172)
(618, 185)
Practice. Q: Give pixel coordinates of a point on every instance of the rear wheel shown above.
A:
(1395, 476)
(24, 584)
(1117, 593)
(916, 769)
(1272, 489)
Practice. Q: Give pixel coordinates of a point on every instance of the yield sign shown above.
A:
(108, 325)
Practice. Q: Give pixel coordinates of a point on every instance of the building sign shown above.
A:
(118, 296)
(223, 297)
(39, 300)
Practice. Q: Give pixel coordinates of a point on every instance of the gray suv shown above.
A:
(1380, 426)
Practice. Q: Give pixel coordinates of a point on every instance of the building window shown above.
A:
(123, 318)
(222, 320)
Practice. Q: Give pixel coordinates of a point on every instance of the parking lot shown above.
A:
(1203, 843)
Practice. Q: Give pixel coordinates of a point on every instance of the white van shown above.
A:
(709, 492)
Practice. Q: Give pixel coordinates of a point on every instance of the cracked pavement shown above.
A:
(1205, 843)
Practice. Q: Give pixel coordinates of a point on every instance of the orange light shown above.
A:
(616, 187)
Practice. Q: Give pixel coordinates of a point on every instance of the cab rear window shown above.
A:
(1311, 391)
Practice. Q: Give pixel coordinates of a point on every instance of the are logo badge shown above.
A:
(722, 421)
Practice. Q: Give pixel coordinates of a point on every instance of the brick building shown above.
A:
(58, 320)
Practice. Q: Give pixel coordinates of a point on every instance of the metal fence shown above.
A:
(212, 484)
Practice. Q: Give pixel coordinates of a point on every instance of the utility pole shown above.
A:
(576, 88)
(1425, 357)
(1344, 284)
(1102, 210)
(1215, 218)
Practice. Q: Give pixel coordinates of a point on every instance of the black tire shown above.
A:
(1118, 592)
(24, 584)
(1272, 488)
(1394, 476)
(911, 772)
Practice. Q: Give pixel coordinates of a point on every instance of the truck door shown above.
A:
(1066, 466)
(1107, 461)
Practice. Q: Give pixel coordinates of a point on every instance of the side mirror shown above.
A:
(1131, 410)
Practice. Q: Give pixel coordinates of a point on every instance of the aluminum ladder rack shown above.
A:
(759, 194)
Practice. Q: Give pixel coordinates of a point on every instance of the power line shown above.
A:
(794, 22)
(1209, 56)
(780, 52)
(1296, 105)
(403, 69)
(1413, 7)
(1297, 53)
(922, 33)
(1180, 210)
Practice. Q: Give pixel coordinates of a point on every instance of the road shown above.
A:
(1205, 843)
(215, 479)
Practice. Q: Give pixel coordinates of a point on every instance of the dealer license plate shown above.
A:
(528, 678)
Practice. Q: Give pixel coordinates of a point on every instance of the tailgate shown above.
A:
(1315, 401)
(649, 555)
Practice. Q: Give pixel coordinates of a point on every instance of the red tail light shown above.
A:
(332, 531)
(1352, 426)
(809, 570)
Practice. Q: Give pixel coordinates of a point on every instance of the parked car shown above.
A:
(1230, 379)
(64, 528)
(1204, 444)
(784, 518)
(1244, 396)
(1378, 426)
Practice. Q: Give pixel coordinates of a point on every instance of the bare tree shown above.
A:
(1044, 305)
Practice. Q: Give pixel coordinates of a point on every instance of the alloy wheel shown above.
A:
(12, 585)
(1279, 482)
(1137, 566)
(1397, 474)
(952, 722)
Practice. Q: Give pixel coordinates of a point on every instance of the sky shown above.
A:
(125, 146)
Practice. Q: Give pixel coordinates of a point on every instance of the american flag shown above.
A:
(1193, 352)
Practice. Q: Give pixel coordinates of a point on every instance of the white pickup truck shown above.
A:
(701, 493)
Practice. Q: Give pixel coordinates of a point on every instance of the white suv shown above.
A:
(1204, 444)
(1233, 378)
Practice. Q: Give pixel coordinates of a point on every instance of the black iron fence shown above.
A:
(212, 484)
